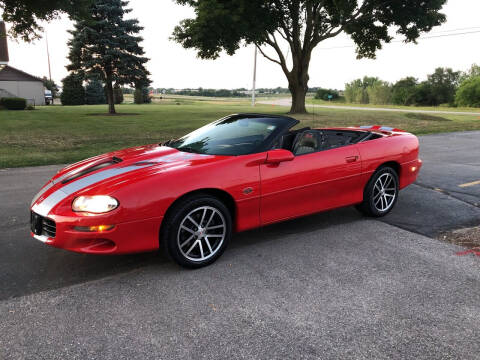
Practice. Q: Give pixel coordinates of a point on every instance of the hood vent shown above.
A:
(115, 160)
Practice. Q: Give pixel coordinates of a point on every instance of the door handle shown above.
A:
(350, 159)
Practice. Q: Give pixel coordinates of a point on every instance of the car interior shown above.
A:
(306, 140)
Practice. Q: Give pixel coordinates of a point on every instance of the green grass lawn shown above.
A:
(64, 134)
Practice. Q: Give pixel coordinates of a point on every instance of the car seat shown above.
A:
(305, 142)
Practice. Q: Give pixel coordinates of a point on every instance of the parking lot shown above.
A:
(330, 285)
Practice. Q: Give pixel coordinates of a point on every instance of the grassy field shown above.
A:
(64, 134)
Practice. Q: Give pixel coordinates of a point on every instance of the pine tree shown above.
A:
(73, 92)
(94, 92)
(107, 45)
(117, 94)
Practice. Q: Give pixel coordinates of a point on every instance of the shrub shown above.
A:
(30, 107)
(13, 103)
(324, 93)
(468, 94)
(117, 94)
(94, 93)
(73, 92)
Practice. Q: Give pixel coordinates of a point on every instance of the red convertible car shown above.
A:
(188, 195)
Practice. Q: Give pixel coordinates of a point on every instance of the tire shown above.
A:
(197, 231)
(378, 203)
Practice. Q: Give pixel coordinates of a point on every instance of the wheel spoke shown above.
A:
(215, 227)
(210, 219)
(208, 244)
(389, 179)
(215, 235)
(187, 241)
(193, 221)
(191, 248)
(390, 195)
(375, 196)
(187, 229)
(203, 216)
(201, 249)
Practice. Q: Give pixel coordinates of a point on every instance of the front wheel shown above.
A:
(381, 193)
(197, 231)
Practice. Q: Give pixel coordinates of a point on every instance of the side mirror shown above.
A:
(279, 155)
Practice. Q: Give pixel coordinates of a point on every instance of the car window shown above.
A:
(232, 136)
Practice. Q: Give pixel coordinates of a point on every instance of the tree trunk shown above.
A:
(298, 99)
(110, 99)
(298, 84)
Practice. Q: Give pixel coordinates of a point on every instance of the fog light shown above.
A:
(413, 168)
(96, 228)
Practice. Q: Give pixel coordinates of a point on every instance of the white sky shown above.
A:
(173, 66)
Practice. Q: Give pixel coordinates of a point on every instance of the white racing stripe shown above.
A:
(53, 199)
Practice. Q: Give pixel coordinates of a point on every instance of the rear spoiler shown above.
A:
(379, 128)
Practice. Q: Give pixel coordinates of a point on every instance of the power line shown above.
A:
(398, 40)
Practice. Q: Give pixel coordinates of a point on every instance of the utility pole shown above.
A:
(254, 75)
(48, 57)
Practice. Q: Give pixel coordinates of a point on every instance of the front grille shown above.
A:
(42, 226)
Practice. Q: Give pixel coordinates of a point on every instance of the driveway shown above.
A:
(331, 285)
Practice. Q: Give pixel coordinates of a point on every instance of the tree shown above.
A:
(403, 91)
(468, 94)
(379, 93)
(117, 94)
(302, 25)
(356, 91)
(443, 85)
(73, 92)
(138, 96)
(106, 45)
(473, 72)
(50, 85)
(25, 15)
(94, 92)
(141, 96)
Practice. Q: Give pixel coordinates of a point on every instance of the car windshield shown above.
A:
(237, 135)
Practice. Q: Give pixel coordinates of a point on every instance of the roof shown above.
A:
(8, 73)
(3, 43)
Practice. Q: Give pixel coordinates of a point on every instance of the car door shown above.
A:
(312, 182)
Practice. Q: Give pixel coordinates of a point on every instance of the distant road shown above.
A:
(288, 102)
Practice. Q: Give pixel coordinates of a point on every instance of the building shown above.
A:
(17, 83)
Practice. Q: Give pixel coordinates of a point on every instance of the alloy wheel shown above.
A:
(201, 233)
(384, 192)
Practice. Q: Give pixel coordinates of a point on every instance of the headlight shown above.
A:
(96, 204)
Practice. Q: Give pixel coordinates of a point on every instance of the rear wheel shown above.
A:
(381, 193)
(198, 230)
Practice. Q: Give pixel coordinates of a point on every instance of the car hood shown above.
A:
(107, 170)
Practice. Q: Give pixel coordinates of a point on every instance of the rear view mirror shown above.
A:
(279, 155)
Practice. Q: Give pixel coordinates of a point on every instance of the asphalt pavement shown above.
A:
(330, 285)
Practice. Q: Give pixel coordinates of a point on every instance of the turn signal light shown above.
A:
(96, 228)
(413, 168)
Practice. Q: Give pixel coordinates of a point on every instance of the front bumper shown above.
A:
(123, 238)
